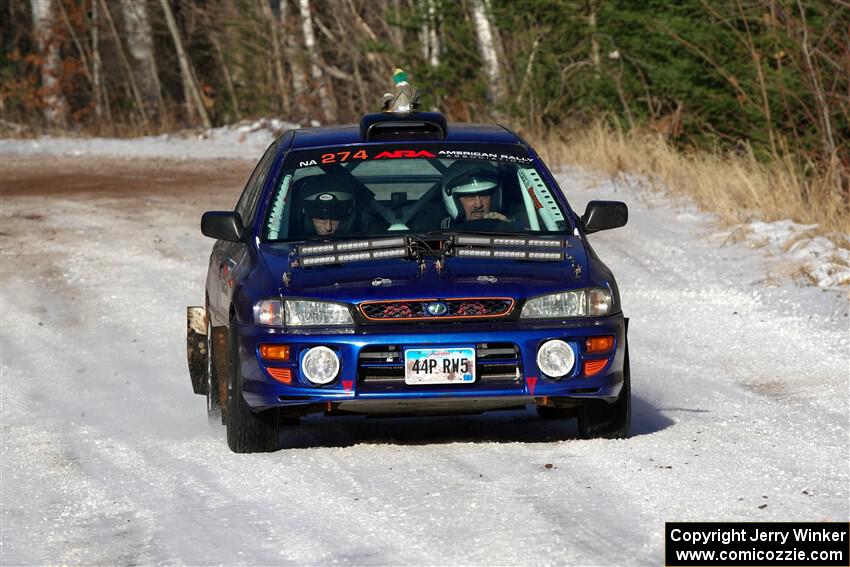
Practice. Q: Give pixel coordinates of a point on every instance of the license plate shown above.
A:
(439, 365)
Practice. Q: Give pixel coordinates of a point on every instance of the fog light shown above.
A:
(555, 358)
(320, 365)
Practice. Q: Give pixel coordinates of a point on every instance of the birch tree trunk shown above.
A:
(228, 79)
(299, 77)
(55, 106)
(191, 93)
(595, 59)
(428, 34)
(499, 46)
(101, 94)
(96, 65)
(140, 44)
(327, 104)
(487, 49)
(396, 33)
(140, 107)
(276, 56)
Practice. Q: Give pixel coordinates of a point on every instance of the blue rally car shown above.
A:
(407, 266)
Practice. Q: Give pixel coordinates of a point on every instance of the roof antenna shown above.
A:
(405, 99)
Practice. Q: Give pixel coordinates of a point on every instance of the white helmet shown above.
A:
(470, 178)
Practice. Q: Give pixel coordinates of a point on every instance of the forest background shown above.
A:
(743, 105)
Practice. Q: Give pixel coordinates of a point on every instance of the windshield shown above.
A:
(378, 191)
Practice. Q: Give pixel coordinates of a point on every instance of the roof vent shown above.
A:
(403, 126)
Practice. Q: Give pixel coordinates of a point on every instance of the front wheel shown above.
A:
(597, 419)
(247, 432)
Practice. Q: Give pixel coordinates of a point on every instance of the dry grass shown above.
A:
(736, 187)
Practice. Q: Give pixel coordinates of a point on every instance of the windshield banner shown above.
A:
(352, 154)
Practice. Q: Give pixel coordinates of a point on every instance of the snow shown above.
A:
(827, 264)
(244, 140)
(740, 384)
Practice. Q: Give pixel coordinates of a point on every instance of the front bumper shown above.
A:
(513, 377)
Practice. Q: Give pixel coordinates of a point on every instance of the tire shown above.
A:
(247, 432)
(597, 419)
(213, 407)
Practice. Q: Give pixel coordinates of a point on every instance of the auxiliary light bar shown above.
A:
(462, 239)
(544, 256)
(349, 246)
(327, 259)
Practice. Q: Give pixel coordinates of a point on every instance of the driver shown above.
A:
(327, 202)
(471, 192)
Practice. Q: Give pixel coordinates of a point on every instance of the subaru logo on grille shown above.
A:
(437, 308)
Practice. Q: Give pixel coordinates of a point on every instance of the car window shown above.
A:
(379, 191)
(247, 205)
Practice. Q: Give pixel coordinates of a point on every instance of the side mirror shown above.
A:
(222, 225)
(602, 215)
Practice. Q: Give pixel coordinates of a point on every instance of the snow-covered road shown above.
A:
(740, 408)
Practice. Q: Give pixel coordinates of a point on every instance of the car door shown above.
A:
(228, 257)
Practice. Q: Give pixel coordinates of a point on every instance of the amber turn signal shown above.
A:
(592, 367)
(600, 344)
(281, 374)
(274, 352)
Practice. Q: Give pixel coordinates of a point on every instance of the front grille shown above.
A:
(404, 310)
(381, 367)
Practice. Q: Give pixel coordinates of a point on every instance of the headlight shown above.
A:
(303, 312)
(555, 358)
(565, 304)
(268, 312)
(592, 302)
(320, 365)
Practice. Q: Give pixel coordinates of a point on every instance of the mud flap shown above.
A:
(196, 347)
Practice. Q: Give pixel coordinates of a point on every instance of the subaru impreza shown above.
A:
(407, 266)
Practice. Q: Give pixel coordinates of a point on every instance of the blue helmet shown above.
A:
(328, 196)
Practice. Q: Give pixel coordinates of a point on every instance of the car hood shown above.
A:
(404, 279)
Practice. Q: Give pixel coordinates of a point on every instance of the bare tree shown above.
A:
(191, 92)
(299, 77)
(101, 95)
(134, 90)
(487, 49)
(276, 55)
(595, 59)
(428, 33)
(817, 85)
(140, 45)
(225, 70)
(327, 104)
(55, 106)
